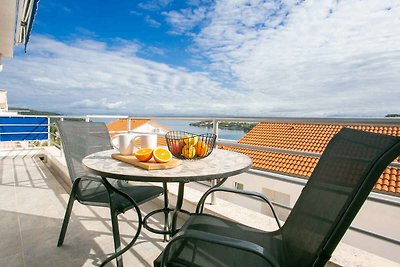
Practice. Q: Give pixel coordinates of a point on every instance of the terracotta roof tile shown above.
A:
(385, 188)
(122, 125)
(309, 138)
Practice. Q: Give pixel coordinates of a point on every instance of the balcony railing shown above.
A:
(53, 139)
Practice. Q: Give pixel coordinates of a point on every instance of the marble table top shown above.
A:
(219, 164)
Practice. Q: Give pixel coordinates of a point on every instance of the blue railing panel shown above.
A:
(24, 128)
(23, 120)
(23, 137)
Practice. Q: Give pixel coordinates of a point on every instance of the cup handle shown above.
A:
(134, 141)
(114, 142)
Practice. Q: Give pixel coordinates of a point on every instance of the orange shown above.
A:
(144, 154)
(201, 148)
(188, 152)
(162, 155)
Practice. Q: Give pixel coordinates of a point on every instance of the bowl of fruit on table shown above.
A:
(184, 145)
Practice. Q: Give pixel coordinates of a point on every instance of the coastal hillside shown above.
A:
(27, 111)
(227, 125)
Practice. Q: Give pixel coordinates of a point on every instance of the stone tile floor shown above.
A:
(32, 206)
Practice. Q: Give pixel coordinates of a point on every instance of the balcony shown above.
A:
(34, 186)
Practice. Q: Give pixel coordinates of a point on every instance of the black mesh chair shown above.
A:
(80, 139)
(339, 185)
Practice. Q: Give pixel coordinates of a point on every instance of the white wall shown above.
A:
(148, 128)
(8, 13)
(3, 100)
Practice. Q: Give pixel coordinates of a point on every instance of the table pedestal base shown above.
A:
(169, 226)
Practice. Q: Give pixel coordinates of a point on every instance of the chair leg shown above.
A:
(117, 238)
(166, 210)
(66, 219)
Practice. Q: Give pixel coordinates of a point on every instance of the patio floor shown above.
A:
(32, 206)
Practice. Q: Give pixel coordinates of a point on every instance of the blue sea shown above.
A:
(179, 125)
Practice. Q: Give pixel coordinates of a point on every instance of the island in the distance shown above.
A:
(227, 125)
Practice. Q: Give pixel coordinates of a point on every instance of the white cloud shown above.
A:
(152, 22)
(95, 104)
(152, 50)
(184, 20)
(312, 58)
(154, 5)
(136, 13)
(90, 77)
(259, 58)
(85, 32)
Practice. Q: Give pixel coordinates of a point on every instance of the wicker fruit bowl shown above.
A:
(184, 145)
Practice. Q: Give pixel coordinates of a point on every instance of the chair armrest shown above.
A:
(79, 179)
(98, 179)
(224, 241)
(90, 178)
(252, 194)
(110, 189)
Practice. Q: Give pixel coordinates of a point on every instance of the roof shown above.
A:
(308, 138)
(122, 125)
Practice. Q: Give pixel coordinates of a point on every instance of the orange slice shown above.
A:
(144, 154)
(162, 155)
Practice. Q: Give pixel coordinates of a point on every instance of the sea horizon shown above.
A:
(180, 125)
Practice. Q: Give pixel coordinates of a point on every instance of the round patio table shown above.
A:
(220, 164)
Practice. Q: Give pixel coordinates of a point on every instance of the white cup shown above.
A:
(125, 144)
(146, 141)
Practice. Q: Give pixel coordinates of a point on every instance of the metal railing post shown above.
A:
(48, 132)
(213, 196)
(214, 182)
(61, 146)
(215, 127)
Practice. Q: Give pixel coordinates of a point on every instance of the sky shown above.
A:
(330, 58)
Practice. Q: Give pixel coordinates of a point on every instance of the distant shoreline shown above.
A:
(228, 125)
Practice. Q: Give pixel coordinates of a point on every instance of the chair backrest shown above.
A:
(80, 139)
(342, 180)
